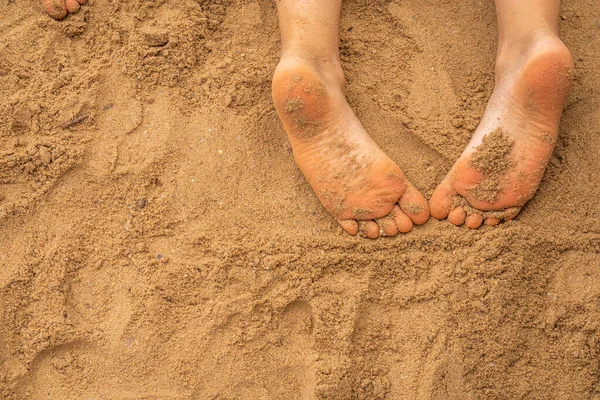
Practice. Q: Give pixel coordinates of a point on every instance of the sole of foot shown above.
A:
(59, 9)
(501, 168)
(364, 190)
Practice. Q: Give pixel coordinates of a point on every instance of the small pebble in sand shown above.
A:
(141, 203)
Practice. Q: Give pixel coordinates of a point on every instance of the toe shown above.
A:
(442, 200)
(72, 5)
(82, 1)
(368, 229)
(457, 216)
(414, 205)
(511, 213)
(492, 221)
(388, 226)
(474, 221)
(403, 222)
(350, 226)
(55, 8)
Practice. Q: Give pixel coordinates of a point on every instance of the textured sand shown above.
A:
(158, 242)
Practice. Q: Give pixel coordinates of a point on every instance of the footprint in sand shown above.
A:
(297, 319)
(294, 373)
(50, 375)
(286, 343)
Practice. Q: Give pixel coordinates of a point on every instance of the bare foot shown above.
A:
(356, 182)
(502, 166)
(58, 9)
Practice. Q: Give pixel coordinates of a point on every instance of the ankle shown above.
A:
(329, 68)
(514, 52)
(519, 41)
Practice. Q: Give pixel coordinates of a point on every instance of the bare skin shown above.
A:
(353, 178)
(59, 9)
(533, 80)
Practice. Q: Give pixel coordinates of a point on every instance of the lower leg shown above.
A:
(311, 27)
(310, 31)
(528, 32)
(356, 182)
(517, 19)
(533, 78)
(522, 23)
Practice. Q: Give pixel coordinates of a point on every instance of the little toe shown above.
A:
(457, 216)
(55, 8)
(402, 220)
(511, 213)
(72, 5)
(350, 226)
(414, 205)
(492, 221)
(442, 200)
(368, 229)
(474, 221)
(388, 226)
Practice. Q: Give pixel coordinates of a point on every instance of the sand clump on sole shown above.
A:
(492, 159)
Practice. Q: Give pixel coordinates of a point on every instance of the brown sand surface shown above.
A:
(158, 242)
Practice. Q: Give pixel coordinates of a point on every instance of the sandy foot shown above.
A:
(353, 178)
(58, 9)
(501, 168)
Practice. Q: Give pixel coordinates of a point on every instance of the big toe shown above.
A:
(442, 200)
(414, 205)
(57, 9)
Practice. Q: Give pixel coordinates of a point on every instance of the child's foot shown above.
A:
(503, 165)
(58, 9)
(356, 182)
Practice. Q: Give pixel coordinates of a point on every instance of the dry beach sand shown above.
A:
(157, 240)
